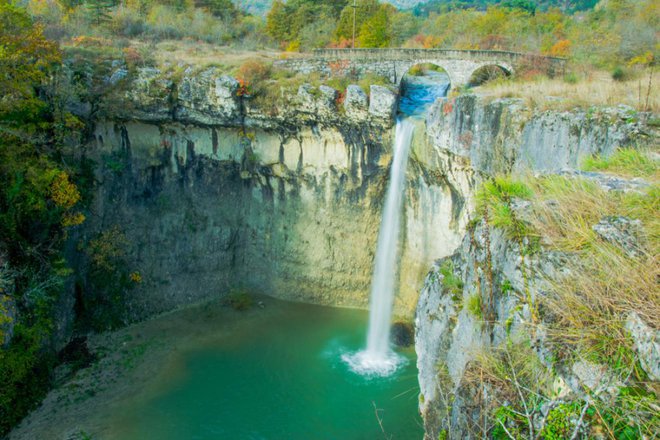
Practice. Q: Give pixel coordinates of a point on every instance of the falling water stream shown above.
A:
(378, 359)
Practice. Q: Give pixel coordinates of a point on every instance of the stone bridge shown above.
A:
(460, 65)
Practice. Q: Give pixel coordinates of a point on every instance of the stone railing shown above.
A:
(402, 54)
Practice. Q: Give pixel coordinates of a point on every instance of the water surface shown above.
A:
(418, 93)
(282, 378)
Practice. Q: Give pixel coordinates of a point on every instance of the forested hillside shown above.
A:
(424, 7)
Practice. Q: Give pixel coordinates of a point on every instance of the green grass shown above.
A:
(474, 306)
(450, 281)
(629, 162)
(494, 204)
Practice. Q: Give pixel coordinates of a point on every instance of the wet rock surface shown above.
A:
(402, 334)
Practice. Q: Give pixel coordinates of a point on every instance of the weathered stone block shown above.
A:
(383, 102)
(208, 98)
(356, 102)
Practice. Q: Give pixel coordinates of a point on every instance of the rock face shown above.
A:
(477, 139)
(449, 334)
(504, 135)
(294, 214)
(215, 193)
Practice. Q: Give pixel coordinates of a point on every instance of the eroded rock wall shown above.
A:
(476, 137)
(294, 214)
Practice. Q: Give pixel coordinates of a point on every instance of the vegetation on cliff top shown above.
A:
(611, 47)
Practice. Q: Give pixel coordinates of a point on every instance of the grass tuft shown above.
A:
(628, 162)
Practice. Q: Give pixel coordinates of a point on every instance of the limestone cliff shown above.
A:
(212, 193)
(478, 300)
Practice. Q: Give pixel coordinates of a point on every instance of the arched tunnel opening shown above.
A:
(421, 86)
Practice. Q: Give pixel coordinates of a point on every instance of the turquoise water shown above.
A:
(281, 378)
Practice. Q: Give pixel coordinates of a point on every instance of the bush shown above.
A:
(450, 281)
(253, 71)
(619, 74)
(127, 23)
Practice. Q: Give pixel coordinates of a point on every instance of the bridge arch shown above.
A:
(487, 73)
(413, 69)
(460, 72)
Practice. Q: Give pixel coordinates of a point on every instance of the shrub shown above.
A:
(127, 23)
(254, 71)
(619, 74)
(494, 203)
(450, 281)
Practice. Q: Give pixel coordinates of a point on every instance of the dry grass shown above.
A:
(598, 89)
(201, 54)
(603, 284)
(587, 307)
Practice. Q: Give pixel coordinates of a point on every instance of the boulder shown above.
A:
(208, 98)
(622, 232)
(328, 99)
(356, 102)
(306, 99)
(382, 103)
(150, 94)
(647, 345)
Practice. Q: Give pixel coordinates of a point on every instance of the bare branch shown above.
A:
(579, 422)
(380, 421)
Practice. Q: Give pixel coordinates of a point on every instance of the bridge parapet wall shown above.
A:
(394, 63)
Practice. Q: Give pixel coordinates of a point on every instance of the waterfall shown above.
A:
(382, 285)
(378, 358)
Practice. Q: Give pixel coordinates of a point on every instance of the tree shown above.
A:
(374, 32)
(365, 9)
(99, 10)
(25, 57)
(525, 5)
(277, 22)
(35, 195)
(224, 9)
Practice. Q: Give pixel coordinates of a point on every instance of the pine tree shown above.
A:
(99, 10)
